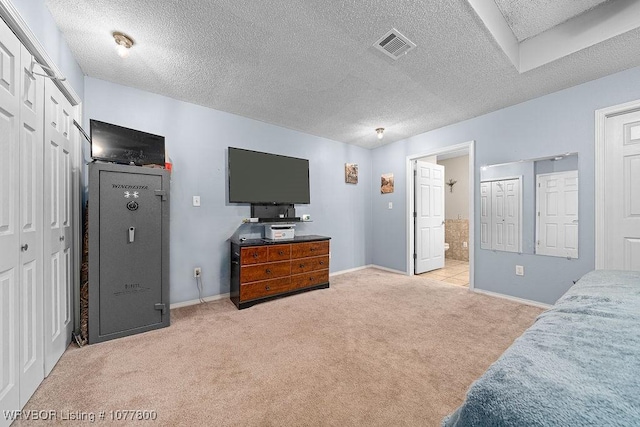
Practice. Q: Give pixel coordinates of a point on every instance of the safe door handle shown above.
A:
(132, 234)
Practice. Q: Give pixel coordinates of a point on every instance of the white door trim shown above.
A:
(470, 146)
(10, 15)
(601, 117)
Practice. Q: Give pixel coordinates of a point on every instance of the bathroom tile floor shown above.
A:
(454, 272)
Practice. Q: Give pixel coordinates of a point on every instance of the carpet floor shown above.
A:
(375, 348)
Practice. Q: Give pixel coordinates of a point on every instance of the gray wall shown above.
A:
(556, 123)
(41, 23)
(197, 139)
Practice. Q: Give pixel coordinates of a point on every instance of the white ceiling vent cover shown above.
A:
(394, 44)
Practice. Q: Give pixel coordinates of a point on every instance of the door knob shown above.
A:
(24, 247)
(62, 238)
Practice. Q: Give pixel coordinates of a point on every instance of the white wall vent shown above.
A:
(394, 44)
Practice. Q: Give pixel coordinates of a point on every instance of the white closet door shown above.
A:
(9, 220)
(622, 192)
(512, 215)
(31, 181)
(57, 224)
(485, 215)
(498, 216)
(557, 199)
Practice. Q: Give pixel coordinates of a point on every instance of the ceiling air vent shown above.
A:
(394, 44)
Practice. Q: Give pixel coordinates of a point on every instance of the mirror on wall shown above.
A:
(531, 206)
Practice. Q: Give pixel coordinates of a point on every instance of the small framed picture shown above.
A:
(351, 173)
(386, 184)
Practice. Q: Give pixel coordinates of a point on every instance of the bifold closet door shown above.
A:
(21, 279)
(58, 236)
(31, 234)
(9, 228)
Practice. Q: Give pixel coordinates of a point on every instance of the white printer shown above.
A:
(279, 231)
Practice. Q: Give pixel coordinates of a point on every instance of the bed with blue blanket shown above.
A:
(577, 365)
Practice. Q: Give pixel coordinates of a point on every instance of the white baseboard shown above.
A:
(197, 301)
(351, 270)
(390, 270)
(515, 299)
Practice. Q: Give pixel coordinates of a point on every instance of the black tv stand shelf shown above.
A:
(295, 219)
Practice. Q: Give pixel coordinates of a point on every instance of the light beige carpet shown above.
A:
(374, 349)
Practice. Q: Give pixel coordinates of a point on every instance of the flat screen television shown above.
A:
(263, 178)
(113, 143)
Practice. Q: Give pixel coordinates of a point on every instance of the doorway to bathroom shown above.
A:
(440, 227)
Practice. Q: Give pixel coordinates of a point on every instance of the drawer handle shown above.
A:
(321, 262)
(281, 253)
(301, 265)
(255, 255)
(310, 279)
(312, 249)
(267, 288)
(268, 271)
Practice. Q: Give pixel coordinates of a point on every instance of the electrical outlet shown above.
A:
(196, 201)
(519, 270)
(197, 272)
(465, 244)
(390, 205)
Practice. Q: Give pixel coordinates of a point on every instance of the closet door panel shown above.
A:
(9, 221)
(31, 234)
(58, 225)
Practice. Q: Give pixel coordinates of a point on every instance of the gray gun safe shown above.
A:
(128, 250)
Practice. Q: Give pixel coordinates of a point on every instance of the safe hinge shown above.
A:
(415, 172)
(162, 307)
(161, 193)
(415, 256)
(415, 214)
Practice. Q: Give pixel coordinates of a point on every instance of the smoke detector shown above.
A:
(394, 44)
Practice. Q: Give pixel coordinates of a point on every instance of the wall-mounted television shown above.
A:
(113, 143)
(263, 178)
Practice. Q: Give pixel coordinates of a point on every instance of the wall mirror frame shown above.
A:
(531, 206)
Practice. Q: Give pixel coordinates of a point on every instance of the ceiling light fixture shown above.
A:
(380, 132)
(124, 43)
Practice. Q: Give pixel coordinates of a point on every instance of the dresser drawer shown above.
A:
(302, 250)
(253, 273)
(309, 279)
(279, 252)
(304, 265)
(264, 288)
(253, 255)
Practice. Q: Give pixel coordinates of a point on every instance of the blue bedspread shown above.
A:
(577, 365)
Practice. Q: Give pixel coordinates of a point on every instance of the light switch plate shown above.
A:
(519, 270)
(390, 205)
(196, 200)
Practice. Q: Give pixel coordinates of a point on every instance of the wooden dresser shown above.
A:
(263, 269)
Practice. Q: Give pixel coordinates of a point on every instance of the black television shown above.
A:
(113, 143)
(263, 178)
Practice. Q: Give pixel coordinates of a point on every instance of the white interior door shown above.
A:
(58, 224)
(429, 215)
(622, 190)
(9, 220)
(557, 212)
(31, 235)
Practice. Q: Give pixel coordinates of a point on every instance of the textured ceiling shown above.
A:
(310, 65)
(528, 18)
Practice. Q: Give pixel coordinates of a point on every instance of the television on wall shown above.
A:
(263, 178)
(113, 143)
